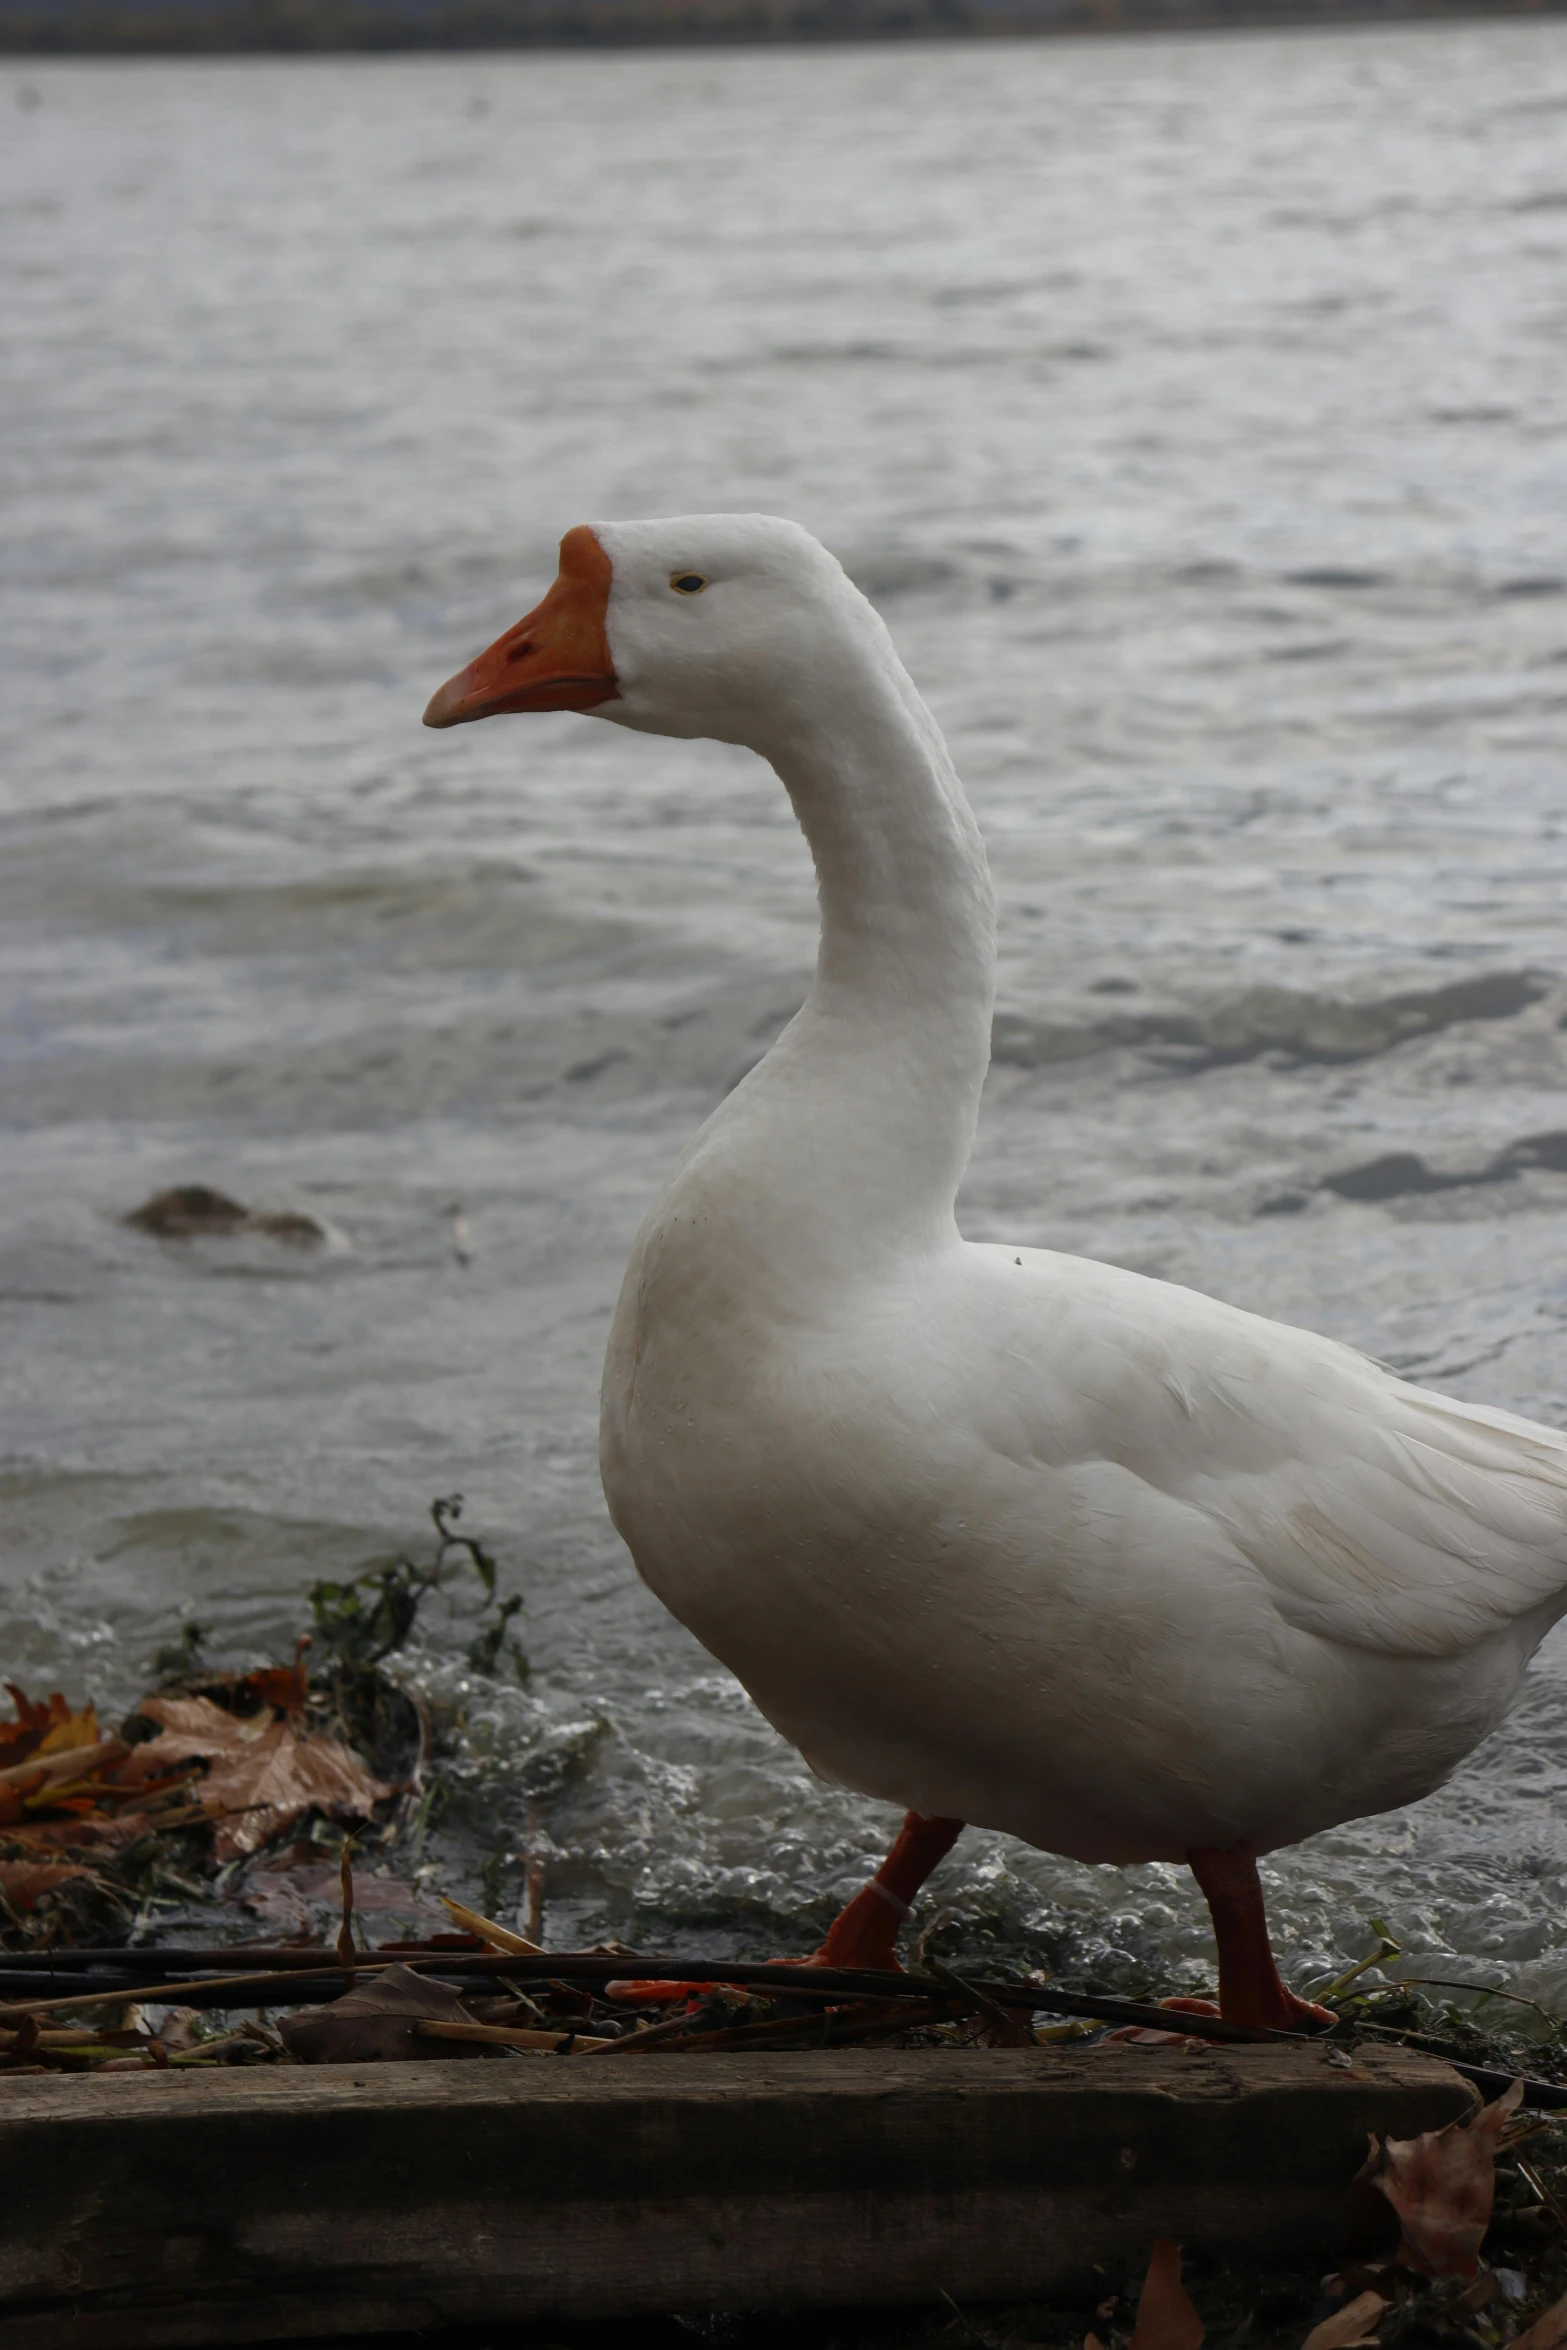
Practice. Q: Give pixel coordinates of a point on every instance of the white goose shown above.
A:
(1001, 1535)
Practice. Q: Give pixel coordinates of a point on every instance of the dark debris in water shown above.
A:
(195, 1211)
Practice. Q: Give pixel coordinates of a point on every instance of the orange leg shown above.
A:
(1250, 1991)
(866, 1932)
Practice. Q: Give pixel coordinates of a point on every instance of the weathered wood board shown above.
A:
(261, 2205)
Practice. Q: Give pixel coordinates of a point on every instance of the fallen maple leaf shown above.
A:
(1442, 2185)
(264, 1773)
(1166, 2319)
(1348, 2328)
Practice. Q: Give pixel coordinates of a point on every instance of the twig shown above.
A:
(72, 2036)
(415, 1790)
(533, 1879)
(346, 1953)
(1006, 2027)
(156, 1969)
(1386, 1948)
(837, 1983)
(678, 2027)
(269, 1955)
(1548, 2096)
(498, 1937)
(506, 2036)
(825, 2031)
(209, 2051)
(970, 2334)
(1546, 2192)
(303, 1980)
(56, 1773)
(517, 1992)
(248, 1982)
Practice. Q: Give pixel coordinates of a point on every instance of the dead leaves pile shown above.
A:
(64, 1807)
(264, 1772)
(1441, 2187)
(74, 1801)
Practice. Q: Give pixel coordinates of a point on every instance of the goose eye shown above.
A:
(687, 583)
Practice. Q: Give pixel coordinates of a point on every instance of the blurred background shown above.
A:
(1192, 407)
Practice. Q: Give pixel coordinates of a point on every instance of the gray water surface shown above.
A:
(1195, 411)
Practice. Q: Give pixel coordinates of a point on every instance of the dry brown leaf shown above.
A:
(376, 2023)
(76, 1730)
(263, 1773)
(1348, 2328)
(1548, 2330)
(43, 1728)
(95, 1831)
(23, 1883)
(1442, 2185)
(1166, 2319)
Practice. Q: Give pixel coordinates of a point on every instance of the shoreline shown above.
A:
(193, 28)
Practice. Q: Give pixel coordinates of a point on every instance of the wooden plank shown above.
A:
(158, 2213)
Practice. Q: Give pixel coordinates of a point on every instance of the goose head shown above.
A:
(732, 626)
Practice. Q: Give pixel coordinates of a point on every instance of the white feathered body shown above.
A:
(1000, 1535)
(1053, 1548)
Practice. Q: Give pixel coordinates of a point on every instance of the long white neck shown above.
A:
(850, 1139)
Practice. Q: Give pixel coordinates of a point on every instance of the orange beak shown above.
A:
(558, 658)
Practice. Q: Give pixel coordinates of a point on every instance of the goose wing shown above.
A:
(1381, 1515)
(1402, 1521)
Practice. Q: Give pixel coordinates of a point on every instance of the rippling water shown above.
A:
(1194, 410)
